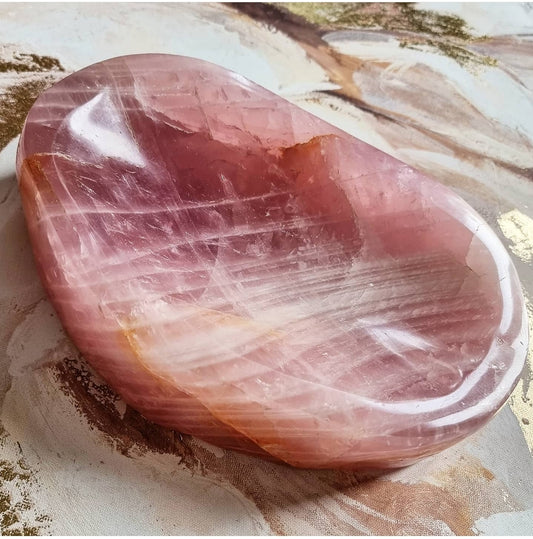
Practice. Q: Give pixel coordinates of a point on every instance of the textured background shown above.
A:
(447, 89)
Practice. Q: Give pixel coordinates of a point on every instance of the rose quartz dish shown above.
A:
(240, 270)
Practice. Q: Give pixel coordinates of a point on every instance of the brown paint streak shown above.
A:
(18, 515)
(36, 73)
(330, 502)
(15, 102)
(408, 504)
(487, 474)
(131, 434)
(468, 492)
(340, 67)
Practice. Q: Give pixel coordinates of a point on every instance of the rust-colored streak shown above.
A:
(34, 184)
(340, 68)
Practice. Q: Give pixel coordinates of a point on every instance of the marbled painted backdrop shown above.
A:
(447, 89)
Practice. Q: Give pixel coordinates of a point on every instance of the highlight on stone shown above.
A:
(242, 271)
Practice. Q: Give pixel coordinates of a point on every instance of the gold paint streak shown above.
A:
(445, 34)
(16, 505)
(521, 400)
(518, 229)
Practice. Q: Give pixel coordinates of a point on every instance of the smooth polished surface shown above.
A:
(240, 270)
(76, 459)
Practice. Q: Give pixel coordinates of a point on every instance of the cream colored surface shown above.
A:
(75, 460)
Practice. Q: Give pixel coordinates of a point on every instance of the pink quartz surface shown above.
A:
(240, 270)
